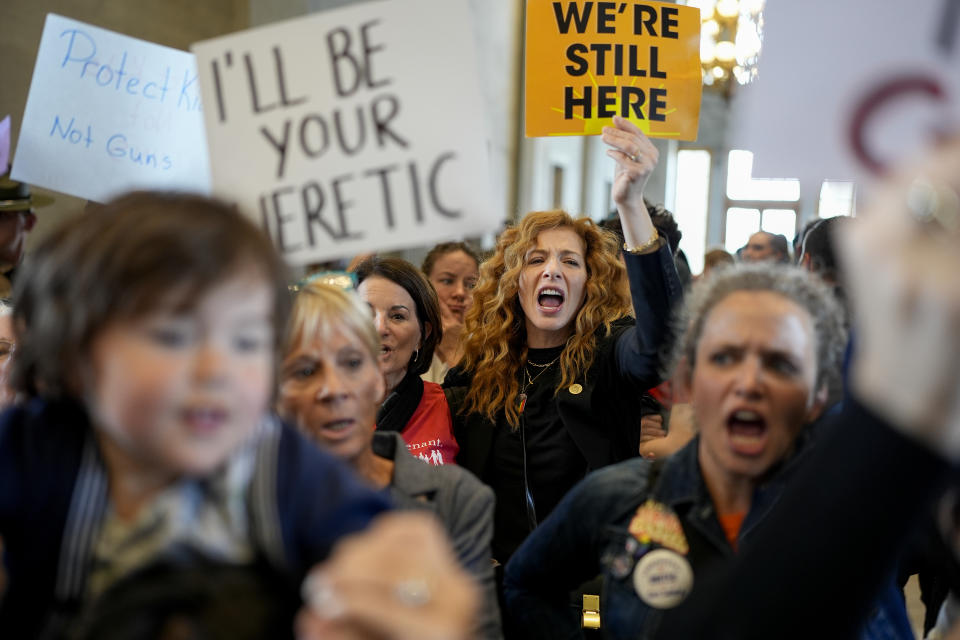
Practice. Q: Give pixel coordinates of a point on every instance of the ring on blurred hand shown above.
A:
(321, 597)
(934, 202)
(412, 593)
(633, 157)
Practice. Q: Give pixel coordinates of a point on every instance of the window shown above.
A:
(742, 186)
(690, 208)
(741, 224)
(836, 199)
(755, 204)
(782, 221)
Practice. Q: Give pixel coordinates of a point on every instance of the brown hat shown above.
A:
(16, 196)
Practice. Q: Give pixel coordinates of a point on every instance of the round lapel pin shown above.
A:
(663, 578)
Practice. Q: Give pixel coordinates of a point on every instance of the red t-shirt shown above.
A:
(429, 432)
(663, 393)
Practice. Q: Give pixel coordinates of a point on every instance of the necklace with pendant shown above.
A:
(522, 397)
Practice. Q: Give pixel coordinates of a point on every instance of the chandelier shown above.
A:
(731, 34)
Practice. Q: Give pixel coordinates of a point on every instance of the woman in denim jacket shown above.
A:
(758, 353)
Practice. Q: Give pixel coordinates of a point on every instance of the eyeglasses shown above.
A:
(6, 349)
(343, 279)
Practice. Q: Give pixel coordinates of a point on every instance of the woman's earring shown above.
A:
(416, 354)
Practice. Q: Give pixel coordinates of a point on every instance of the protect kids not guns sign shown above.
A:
(351, 130)
(108, 113)
(589, 61)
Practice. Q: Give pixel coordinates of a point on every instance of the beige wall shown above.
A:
(174, 23)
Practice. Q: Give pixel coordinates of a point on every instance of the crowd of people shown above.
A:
(194, 448)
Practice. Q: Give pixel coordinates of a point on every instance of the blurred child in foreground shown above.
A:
(147, 335)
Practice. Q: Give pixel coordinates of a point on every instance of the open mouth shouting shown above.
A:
(550, 300)
(747, 431)
(552, 286)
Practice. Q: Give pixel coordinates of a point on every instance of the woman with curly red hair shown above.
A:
(553, 363)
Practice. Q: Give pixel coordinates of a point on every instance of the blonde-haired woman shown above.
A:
(553, 363)
(331, 386)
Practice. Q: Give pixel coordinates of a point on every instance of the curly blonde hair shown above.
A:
(495, 334)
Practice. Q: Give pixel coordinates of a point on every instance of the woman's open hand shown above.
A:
(398, 580)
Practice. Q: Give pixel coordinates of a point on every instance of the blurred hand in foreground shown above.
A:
(902, 261)
(398, 580)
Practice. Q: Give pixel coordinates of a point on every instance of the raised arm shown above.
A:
(636, 158)
(654, 284)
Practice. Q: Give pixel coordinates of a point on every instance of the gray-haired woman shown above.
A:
(758, 353)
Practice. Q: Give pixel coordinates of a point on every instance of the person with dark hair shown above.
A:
(818, 251)
(818, 254)
(17, 218)
(683, 269)
(452, 268)
(764, 246)
(407, 316)
(798, 238)
(147, 336)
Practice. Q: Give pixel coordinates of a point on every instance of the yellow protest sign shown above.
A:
(589, 61)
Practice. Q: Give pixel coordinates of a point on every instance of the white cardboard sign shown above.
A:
(107, 113)
(849, 89)
(352, 130)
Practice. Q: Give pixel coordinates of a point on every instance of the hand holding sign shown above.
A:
(636, 159)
